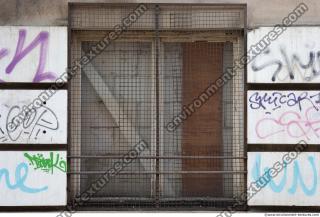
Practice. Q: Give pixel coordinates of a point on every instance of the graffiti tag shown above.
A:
(47, 164)
(21, 175)
(23, 50)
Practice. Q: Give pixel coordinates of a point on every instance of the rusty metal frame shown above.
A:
(242, 6)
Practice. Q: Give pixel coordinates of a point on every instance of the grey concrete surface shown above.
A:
(55, 12)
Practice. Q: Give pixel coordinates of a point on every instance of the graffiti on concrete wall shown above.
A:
(32, 54)
(283, 117)
(23, 185)
(298, 184)
(46, 124)
(50, 163)
(293, 58)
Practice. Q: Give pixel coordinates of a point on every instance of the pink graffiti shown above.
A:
(21, 52)
(292, 123)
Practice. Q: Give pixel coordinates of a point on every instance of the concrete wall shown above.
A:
(48, 12)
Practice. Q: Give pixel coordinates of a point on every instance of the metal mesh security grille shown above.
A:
(105, 130)
(172, 17)
(150, 85)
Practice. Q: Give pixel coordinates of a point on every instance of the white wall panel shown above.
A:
(283, 117)
(291, 58)
(47, 125)
(295, 185)
(23, 182)
(32, 54)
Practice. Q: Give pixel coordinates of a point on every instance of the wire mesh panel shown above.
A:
(161, 89)
(200, 135)
(172, 17)
(116, 103)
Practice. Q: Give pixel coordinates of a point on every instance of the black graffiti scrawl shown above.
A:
(36, 124)
(289, 65)
(21, 123)
(294, 57)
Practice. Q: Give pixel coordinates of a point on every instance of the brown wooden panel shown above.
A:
(202, 132)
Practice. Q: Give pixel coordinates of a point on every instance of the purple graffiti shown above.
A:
(21, 52)
(3, 52)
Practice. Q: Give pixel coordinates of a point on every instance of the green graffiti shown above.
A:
(47, 164)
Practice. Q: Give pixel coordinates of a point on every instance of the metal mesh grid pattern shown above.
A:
(198, 17)
(171, 18)
(134, 88)
(104, 128)
(95, 17)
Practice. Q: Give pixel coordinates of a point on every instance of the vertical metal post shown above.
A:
(157, 50)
